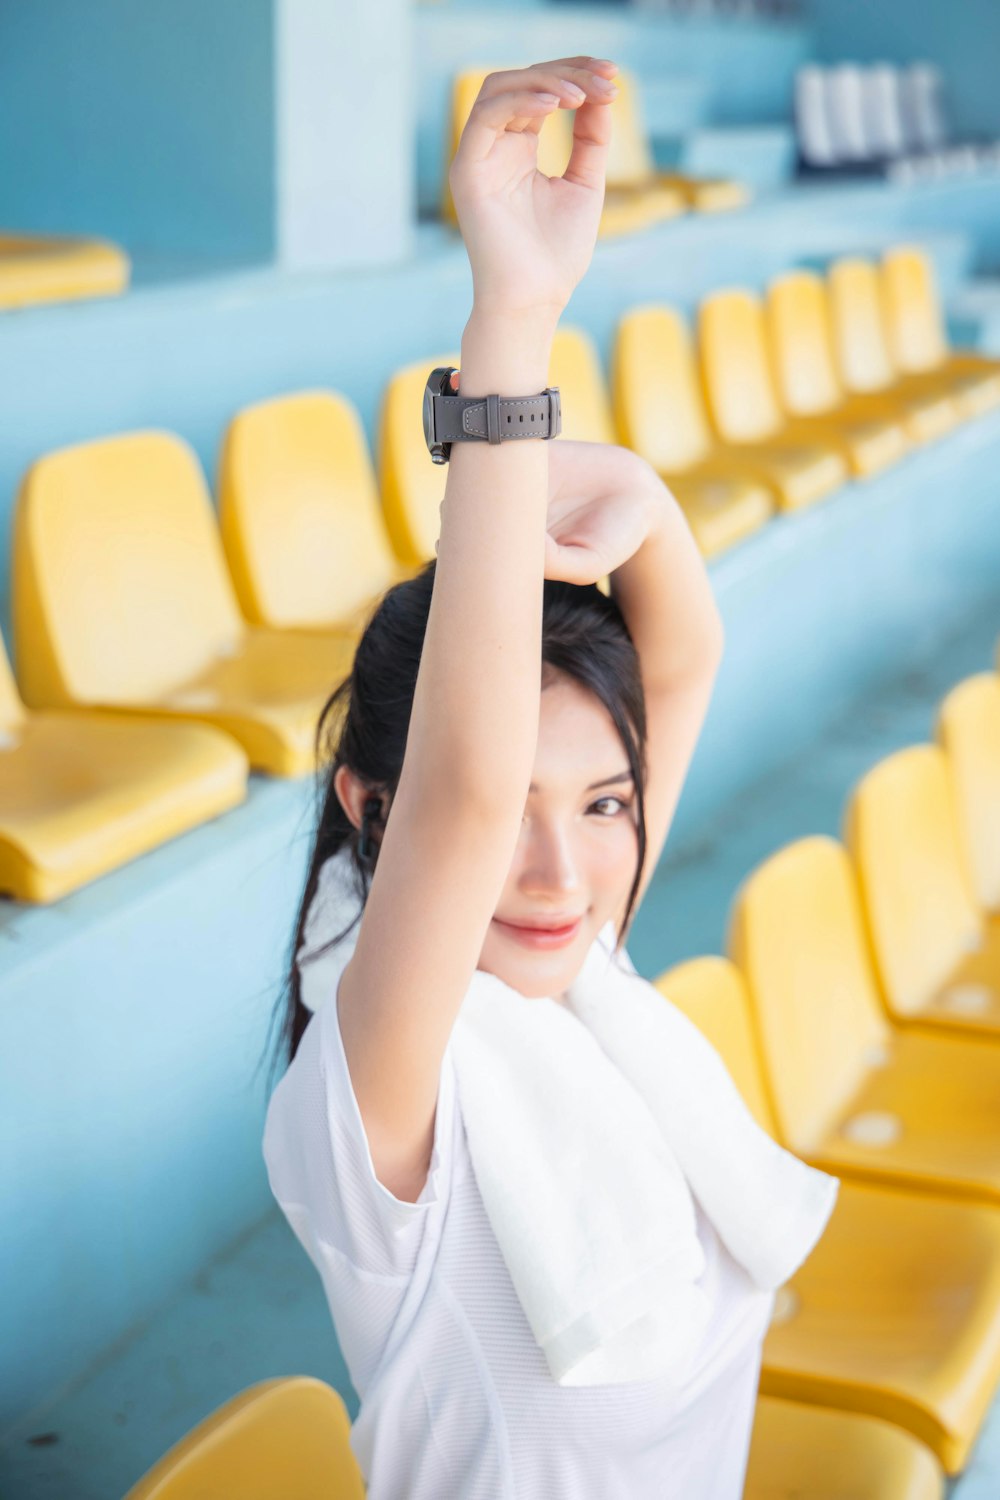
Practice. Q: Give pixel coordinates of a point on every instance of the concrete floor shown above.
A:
(258, 1311)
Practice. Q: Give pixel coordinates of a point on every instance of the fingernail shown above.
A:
(605, 86)
(573, 90)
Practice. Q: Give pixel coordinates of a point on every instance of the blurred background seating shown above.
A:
(811, 359)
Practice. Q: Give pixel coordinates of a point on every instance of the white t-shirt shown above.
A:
(457, 1402)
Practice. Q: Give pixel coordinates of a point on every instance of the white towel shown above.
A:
(589, 1128)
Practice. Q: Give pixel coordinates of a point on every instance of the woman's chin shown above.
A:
(535, 975)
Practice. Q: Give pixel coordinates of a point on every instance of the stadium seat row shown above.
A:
(859, 1014)
(291, 1437)
(881, 118)
(822, 378)
(49, 268)
(128, 602)
(638, 194)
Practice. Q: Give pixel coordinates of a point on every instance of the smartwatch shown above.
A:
(449, 418)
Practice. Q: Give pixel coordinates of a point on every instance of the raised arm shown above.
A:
(611, 514)
(453, 826)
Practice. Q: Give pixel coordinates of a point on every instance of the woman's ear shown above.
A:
(352, 793)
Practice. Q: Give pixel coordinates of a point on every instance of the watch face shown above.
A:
(437, 382)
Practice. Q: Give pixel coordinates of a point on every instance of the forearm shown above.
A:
(666, 598)
(475, 714)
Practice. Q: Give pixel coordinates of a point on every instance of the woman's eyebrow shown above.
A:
(610, 780)
(594, 785)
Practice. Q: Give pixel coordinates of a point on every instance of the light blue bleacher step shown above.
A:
(974, 315)
(673, 105)
(761, 155)
(257, 1310)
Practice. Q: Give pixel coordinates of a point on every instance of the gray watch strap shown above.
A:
(498, 419)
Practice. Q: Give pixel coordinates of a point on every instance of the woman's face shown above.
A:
(577, 850)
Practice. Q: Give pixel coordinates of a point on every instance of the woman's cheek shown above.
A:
(614, 861)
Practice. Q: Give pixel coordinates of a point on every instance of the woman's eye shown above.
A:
(608, 807)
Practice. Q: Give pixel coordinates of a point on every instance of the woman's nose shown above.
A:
(549, 868)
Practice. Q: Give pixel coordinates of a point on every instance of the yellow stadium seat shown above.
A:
(801, 464)
(300, 515)
(576, 369)
(44, 268)
(937, 958)
(121, 599)
(632, 169)
(899, 1105)
(917, 339)
(896, 1313)
(801, 349)
(287, 1438)
(660, 413)
(864, 361)
(805, 1453)
(624, 212)
(82, 793)
(969, 730)
(412, 485)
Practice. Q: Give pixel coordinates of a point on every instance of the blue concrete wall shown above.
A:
(963, 40)
(149, 124)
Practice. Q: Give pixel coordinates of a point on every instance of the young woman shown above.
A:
(509, 752)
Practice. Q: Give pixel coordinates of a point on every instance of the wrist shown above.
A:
(507, 353)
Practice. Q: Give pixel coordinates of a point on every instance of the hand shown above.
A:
(603, 504)
(530, 237)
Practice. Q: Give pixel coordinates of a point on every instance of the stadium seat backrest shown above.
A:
(860, 339)
(300, 513)
(712, 993)
(555, 139)
(812, 123)
(121, 590)
(846, 113)
(288, 1437)
(902, 829)
(12, 713)
(658, 404)
(883, 112)
(734, 364)
(797, 934)
(912, 310)
(576, 369)
(630, 160)
(801, 344)
(412, 485)
(969, 731)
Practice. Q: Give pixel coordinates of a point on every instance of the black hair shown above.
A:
(365, 722)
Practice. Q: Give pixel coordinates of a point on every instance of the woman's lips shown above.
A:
(540, 937)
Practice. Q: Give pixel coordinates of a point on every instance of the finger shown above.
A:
(602, 65)
(490, 117)
(588, 160)
(572, 84)
(572, 563)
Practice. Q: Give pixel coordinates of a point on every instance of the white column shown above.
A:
(344, 138)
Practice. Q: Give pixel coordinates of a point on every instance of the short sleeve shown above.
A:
(320, 1166)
